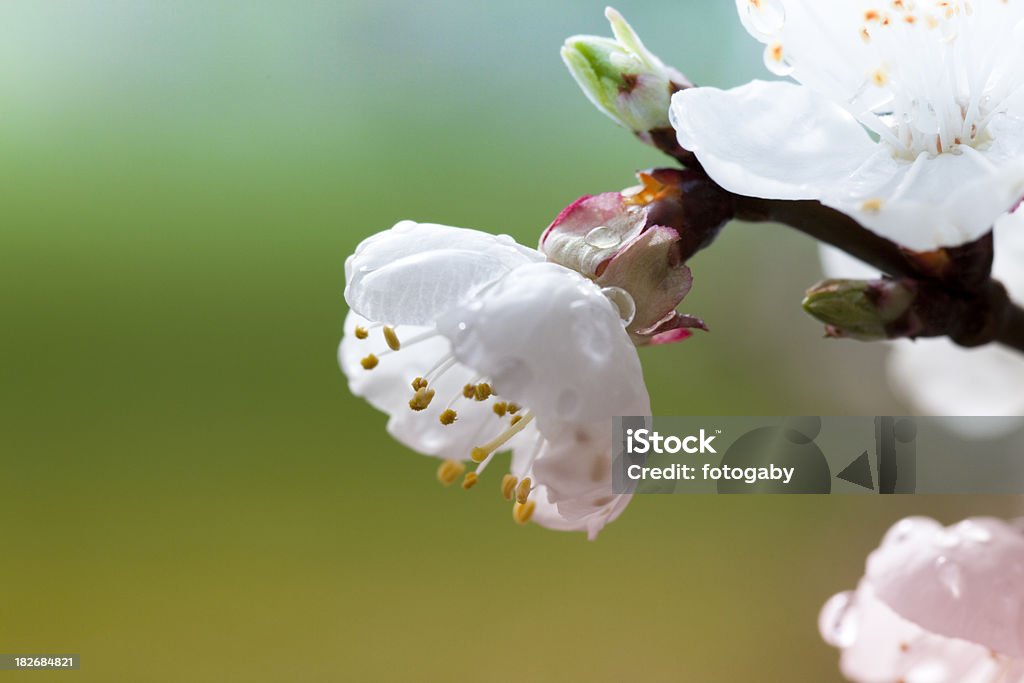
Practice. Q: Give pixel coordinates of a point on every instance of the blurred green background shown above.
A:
(189, 493)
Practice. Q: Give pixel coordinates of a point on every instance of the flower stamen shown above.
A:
(370, 362)
(449, 471)
(483, 391)
(470, 480)
(448, 417)
(480, 453)
(523, 490)
(508, 486)
(391, 337)
(421, 399)
(522, 512)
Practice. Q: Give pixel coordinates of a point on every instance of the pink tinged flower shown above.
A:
(609, 239)
(474, 345)
(937, 605)
(906, 116)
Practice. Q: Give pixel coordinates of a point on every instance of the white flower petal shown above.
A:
(550, 341)
(413, 272)
(964, 581)
(770, 139)
(936, 201)
(573, 471)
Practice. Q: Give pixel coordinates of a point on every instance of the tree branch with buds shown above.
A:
(948, 292)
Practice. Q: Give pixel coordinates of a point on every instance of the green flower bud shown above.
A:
(864, 310)
(623, 78)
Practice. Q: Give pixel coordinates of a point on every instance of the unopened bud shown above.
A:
(864, 310)
(623, 78)
(635, 244)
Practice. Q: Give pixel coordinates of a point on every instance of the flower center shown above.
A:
(926, 76)
(477, 390)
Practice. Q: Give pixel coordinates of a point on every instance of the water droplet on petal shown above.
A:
(903, 530)
(602, 237)
(973, 531)
(950, 575)
(766, 16)
(838, 620)
(623, 302)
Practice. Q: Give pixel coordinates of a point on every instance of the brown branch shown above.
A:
(967, 305)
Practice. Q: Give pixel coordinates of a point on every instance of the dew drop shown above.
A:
(623, 302)
(973, 531)
(838, 620)
(602, 237)
(903, 530)
(766, 16)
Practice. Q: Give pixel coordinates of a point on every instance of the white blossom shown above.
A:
(906, 115)
(473, 345)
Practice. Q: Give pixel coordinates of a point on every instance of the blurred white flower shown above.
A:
(937, 605)
(907, 116)
(940, 378)
(472, 344)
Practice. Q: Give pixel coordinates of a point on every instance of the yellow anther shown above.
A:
(470, 480)
(880, 77)
(419, 383)
(370, 362)
(391, 338)
(508, 486)
(361, 332)
(500, 408)
(516, 419)
(421, 399)
(872, 205)
(522, 512)
(523, 490)
(449, 471)
(469, 391)
(483, 391)
(448, 417)
(480, 453)
(513, 408)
